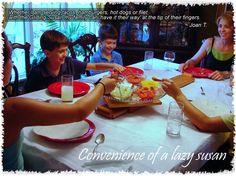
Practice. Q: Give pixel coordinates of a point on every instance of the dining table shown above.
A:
(140, 134)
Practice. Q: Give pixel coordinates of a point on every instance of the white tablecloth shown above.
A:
(143, 131)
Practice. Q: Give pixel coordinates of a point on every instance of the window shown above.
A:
(174, 32)
(134, 33)
(30, 31)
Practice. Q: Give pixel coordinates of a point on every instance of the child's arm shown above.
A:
(105, 66)
(22, 112)
(198, 118)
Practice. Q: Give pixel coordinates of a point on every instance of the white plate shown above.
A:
(64, 131)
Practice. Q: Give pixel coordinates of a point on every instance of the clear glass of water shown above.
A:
(231, 82)
(148, 56)
(228, 88)
(175, 117)
(169, 56)
(67, 88)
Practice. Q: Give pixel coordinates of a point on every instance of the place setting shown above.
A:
(199, 72)
(77, 132)
(67, 88)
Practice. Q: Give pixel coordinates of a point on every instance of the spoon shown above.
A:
(99, 140)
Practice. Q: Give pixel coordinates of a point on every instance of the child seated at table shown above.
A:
(21, 112)
(107, 38)
(54, 45)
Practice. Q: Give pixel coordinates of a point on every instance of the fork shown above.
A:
(202, 91)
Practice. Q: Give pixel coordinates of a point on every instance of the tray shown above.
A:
(183, 80)
(112, 113)
(111, 103)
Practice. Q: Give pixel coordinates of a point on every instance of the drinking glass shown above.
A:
(169, 56)
(67, 88)
(148, 56)
(175, 117)
(228, 88)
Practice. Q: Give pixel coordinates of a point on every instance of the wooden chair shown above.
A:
(88, 43)
(25, 47)
(12, 89)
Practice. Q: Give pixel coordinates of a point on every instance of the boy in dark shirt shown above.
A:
(54, 44)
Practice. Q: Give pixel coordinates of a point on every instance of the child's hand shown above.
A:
(118, 67)
(171, 88)
(109, 84)
(115, 74)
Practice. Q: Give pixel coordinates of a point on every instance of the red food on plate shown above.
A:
(199, 72)
(132, 70)
(79, 88)
(134, 79)
(145, 93)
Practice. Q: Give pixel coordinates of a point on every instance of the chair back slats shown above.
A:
(88, 43)
(15, 86)
(26, 47)
(12, 89)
